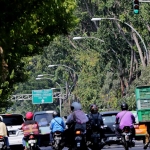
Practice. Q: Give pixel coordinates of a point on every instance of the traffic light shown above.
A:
(136, 6)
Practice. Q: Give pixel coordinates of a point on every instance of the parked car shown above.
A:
(43, 119)
(140, 128)
(13, 123)
(109, 119)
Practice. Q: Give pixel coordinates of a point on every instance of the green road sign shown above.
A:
(42, 96)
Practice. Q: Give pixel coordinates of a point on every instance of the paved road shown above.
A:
(138, 146)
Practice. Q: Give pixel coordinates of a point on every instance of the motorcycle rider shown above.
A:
(57, 124)
(125, 118)
(76, 120)
(30, 126)
(4, 132)
(95, 122)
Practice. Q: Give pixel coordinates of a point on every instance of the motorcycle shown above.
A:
(32, 142)
(58, 141)
(80, 143)
(126, 137)
(2, 143)
(95, 140)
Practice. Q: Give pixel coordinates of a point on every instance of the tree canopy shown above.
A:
(108, 71)
(26, 27)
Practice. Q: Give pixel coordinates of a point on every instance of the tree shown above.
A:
(25, 29)
(108, 72)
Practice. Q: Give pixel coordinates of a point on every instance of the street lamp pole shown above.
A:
(70, 69)
(98, 19)
(63, 66)
(56, 65)
(78, 38)
(60, 97)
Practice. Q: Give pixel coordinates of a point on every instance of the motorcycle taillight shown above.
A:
(31, 137)
(78, 132)
(1, 137)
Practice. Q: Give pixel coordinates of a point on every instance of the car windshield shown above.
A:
(43, 119)
(13, 120)
(109, 119)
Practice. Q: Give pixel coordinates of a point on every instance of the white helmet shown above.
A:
(75, 106)
(1, 118)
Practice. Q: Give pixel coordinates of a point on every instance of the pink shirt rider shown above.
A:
(126, 118)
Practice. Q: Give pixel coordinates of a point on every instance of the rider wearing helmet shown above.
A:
(29, 126)
(95, 121)
(4, 132)
(76, 120)
(57, 124)
(125, 118)
(77, 116)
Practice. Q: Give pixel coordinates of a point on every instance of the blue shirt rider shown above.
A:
(57, 124)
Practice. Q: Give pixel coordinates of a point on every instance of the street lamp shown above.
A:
(98, 19)
(78, 38)
(60, 97)
(41, 75)
(63, 66)
(53, 88)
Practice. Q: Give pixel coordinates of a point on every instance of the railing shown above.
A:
(29, 96)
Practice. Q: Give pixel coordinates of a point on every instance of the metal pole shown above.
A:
(68, 68)
(60, 105)
(136, 33)
(60, 98)
(96, 19)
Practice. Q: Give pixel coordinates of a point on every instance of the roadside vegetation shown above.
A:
(108, 71)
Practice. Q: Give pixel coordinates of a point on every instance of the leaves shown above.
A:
(25, 29)
(107, 71)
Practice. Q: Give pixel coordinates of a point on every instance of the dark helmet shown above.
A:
(124, 106)
(75, 106)
(94, 109)
(55, 114)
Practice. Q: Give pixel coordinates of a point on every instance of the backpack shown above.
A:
(80, 117)
(95, 121)
(30, 128)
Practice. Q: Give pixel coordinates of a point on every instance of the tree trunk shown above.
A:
(131, 67)
(122, 86)
(4, 66)
(139, 49)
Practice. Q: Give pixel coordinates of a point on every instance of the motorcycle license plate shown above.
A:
(112, 138)
(1, 144)
(31, 141)
(78, 144)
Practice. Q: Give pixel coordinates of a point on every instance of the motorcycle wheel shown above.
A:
(96, 147)
(32, 148)
(126, 145)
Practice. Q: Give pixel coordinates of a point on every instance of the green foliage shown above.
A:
(25, 29)
(108, 71)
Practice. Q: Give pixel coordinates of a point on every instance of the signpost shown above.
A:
(42, 96)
